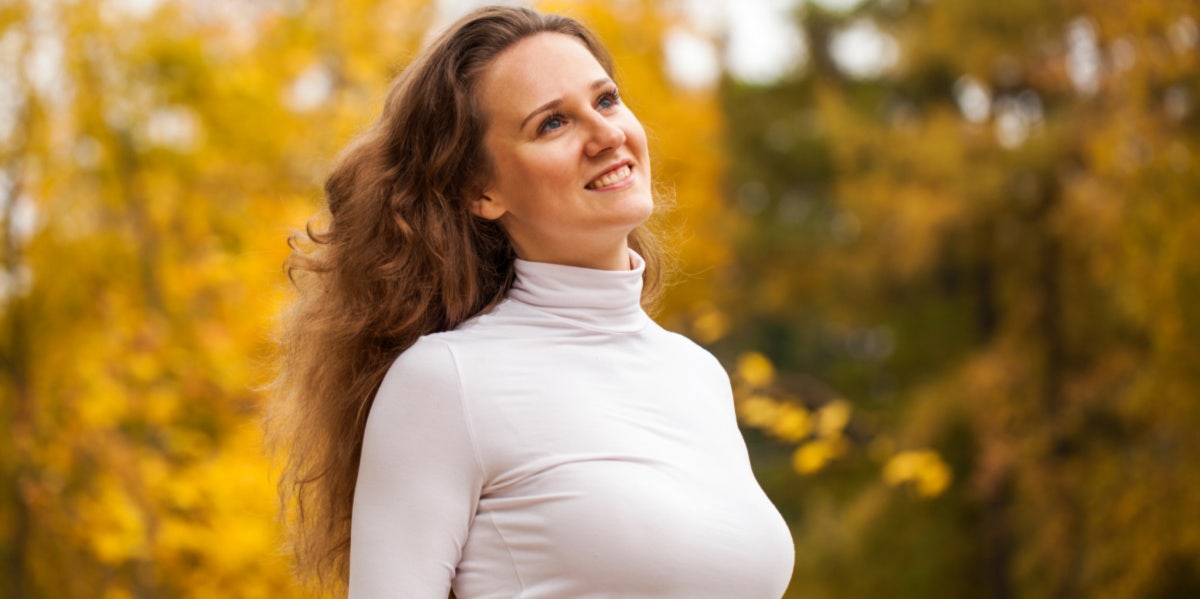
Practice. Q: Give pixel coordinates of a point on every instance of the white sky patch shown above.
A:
(692, 60)
(112, 10)
(24, 219)
(709, 17)
(1083, 56)
(1011, 130)
(44, 64)
(764, 42)
(973, 99)
(45, 57)
(862, 50)
(38, 69)
(24, 212)
(11, 101)
(1017, 117)
(310, 89)
(450, 10)
(174, 127)
(240, 20)
(1183, 34)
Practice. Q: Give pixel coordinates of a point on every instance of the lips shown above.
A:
(611, 177)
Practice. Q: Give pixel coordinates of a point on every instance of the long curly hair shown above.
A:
(396, 255)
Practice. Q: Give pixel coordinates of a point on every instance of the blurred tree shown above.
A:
(153, 158)
(157, 155)
(984, 240)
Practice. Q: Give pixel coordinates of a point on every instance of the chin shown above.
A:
(647, 207)
(638, 212)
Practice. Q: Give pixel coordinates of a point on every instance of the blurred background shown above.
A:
(946, 249)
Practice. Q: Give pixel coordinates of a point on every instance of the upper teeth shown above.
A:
(612, 177)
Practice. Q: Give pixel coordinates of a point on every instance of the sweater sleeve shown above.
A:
(419, 481)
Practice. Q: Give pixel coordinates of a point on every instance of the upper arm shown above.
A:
(418, 483)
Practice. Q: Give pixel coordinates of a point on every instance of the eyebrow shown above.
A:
(597, 84)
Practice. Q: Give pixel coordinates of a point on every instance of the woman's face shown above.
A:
(570, 168)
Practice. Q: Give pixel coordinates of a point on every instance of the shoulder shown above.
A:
(684, 347)
(422, 395)
(426, 372)
(430, 356)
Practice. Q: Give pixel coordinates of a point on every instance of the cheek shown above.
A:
(548, 167)
(635, 135)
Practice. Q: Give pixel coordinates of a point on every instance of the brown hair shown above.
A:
(399, 256)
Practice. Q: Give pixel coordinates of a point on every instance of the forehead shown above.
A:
(536, 70)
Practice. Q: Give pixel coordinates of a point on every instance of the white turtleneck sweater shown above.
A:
(561, 446)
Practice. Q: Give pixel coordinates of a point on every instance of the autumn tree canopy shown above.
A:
(954, 283)
(983, 243)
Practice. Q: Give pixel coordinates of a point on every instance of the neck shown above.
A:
(601, 299)
(609, 258)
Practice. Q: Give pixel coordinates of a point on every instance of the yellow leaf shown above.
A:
(755, 369)
(792, 423)
(758, 411)
(812, 456)
(833, 417)
(710, 324)
(923, 468)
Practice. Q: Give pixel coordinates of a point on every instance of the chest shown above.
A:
(647, 399)
(618, 468)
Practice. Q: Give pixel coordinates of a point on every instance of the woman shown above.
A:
(469, 371)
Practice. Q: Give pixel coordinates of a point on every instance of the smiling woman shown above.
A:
(472, 397)
(572, 176)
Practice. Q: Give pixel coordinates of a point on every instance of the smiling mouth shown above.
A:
(611, 177)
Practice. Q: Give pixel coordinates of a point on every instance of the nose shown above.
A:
(604, 135)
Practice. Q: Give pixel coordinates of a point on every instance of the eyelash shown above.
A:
(610, 94)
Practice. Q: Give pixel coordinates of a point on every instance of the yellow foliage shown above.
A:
(759, 411)
(814, 455)
(755, 369)
(709, 323)
(925, 469)
(782, 419)
(792, 423)
(115, 524)
(142, 367)
(833, 417)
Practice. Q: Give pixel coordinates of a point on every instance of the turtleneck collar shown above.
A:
(608, 300)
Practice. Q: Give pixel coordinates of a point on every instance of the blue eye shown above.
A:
(608, 100)
(552, 122)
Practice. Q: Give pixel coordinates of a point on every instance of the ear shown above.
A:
(487, 208)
